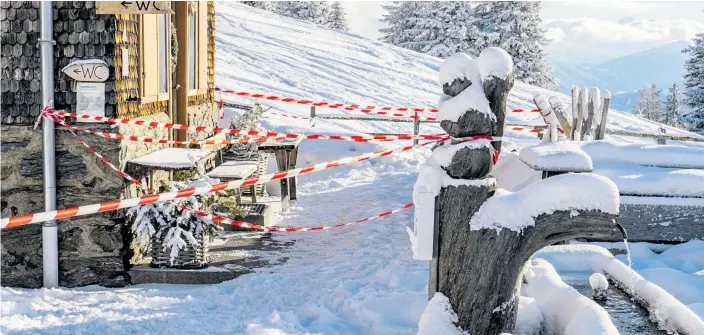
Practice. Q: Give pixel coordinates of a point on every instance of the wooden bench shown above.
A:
(236, 170)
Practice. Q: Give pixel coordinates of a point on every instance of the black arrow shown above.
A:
(77, 71)
(125, 3)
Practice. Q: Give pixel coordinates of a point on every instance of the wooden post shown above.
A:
(604, 121)
(282, 163)
(479, 270)
(584, 112)
(181, 9)
(416, 127)
(587, 128)
(562, 116)
(312, 116)
(661, 140)
(580, 115)
(575, 113)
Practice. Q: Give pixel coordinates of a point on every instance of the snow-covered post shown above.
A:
(603, 121)
(478, 268)
(576, 125)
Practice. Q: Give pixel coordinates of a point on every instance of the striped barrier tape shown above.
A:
(144, 139)
(63, 213)
(255, 133)
(382, 110)
(220, 219)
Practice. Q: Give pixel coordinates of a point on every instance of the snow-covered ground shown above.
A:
(356, 280)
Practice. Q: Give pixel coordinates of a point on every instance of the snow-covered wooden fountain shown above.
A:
(477, 236)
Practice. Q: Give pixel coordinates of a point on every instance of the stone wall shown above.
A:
(90, 247)
(93, 249)
(202, 115)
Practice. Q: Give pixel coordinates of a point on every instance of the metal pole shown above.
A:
(50, 240)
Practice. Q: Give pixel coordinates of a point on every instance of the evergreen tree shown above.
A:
(337, 18)
(648, 104)
(694, 85)
(515, 27)
(265, 5)
(673, 108)
(401, 18)
(445, 28)
(311, 11)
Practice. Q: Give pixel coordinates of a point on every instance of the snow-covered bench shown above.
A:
(661, 186)
(236, 170)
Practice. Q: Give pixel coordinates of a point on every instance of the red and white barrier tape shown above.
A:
(255, 133)
(144, 139)
(381, 110)
(289, 115)
(217, 218)
(63, 213)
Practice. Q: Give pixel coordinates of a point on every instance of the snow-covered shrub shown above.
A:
(181, 226)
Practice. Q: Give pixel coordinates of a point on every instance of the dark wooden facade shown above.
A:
(80, 33)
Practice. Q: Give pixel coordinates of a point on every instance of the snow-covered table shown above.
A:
(556, 158)
(170, 159)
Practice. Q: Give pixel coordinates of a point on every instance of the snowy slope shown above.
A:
(355, 280)
(260, 51)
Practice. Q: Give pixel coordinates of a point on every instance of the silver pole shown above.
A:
(50, 240)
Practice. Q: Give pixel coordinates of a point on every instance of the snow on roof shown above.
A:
(557, 156)
(515, 211)
(173, 158)
(646, 154)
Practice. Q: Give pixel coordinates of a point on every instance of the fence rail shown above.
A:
(660, 137)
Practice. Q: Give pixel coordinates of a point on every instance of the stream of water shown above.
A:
(628, 317)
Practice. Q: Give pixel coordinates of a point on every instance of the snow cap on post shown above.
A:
(494, 62)
(459, 66)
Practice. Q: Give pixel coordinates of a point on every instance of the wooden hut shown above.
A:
(144, 70)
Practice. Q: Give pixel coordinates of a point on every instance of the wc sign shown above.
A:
(89, 70)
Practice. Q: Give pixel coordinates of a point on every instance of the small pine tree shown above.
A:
(694, 85)
(673, 107)
(337, 18)
(648, 104)
(515, 27)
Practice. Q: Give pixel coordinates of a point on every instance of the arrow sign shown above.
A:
(133, 7)
(92, 70)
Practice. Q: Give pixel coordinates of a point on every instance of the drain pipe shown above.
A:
(50, 238)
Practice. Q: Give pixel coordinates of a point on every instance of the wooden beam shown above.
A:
(181, 9)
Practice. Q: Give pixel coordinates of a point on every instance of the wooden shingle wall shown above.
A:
(20, 83)
(79, 33)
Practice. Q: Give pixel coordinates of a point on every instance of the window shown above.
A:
(198, 48)
(163, 60)
(154, 53)
(192, 46)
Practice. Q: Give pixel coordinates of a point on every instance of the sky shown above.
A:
(584, 31)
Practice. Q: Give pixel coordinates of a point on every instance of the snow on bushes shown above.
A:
(151, 219)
